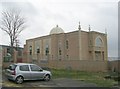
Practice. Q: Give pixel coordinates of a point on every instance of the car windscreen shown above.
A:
(12, 67)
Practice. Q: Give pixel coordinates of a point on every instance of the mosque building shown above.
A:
(76, 45)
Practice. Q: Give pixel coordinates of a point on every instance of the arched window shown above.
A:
(30, 50)
(98, 42)
(38, 49)
(60, 51)
(37, 46)
(47, 50)
(67, 44)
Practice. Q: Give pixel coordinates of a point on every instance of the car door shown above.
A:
(36, 72)
(25, 71)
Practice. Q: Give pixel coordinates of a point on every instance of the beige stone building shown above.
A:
(58, 45)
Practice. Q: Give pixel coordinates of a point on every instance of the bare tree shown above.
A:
(13, 23)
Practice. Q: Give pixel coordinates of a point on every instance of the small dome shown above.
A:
(56, 30)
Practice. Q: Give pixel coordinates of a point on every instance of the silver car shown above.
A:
(19, 72)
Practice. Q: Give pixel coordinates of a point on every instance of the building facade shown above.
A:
(58, 45)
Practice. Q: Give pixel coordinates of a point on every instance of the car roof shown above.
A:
(23, 64)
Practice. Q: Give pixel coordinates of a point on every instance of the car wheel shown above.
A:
(9, 80)
(47, 77)
(19, 80)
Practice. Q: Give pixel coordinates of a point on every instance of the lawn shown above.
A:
(91, 77)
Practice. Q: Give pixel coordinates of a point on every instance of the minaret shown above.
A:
(90, 44)
(80, 45)
(79, 26)
(106, 48)
(105, 31)
(90, 38)
(89, 28)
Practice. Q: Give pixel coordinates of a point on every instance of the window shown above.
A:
(24, 68)
(47, 50)
(30, 49)
(38, 50)
(98, 55)
(12, 67)
(8, 50)
(98, 42)
(60, 51)
(67, 44)
(37, 46)
(103, 55)
(35, 68)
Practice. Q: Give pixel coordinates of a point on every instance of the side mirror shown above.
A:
(41, 70)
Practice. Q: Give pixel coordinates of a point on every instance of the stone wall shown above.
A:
(81, 65)
(114, 66)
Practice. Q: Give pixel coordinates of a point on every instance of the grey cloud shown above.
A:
(68, 14)
(25, 7)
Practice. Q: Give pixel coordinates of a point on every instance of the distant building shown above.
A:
(6, 54)
(0, 56)
(114, 66)
(58, 45)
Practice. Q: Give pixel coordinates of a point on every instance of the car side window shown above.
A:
(12, 67)
(35, 68)
(24, 68)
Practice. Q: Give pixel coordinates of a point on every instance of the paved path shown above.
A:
(65, 82)
(60, 82)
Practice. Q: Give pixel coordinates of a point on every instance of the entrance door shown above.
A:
(97, 55)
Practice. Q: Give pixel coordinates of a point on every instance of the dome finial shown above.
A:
(89, 28)
(105, 31)
(57, 25)
(79, 26)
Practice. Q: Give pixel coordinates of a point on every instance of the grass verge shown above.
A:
(90, 77)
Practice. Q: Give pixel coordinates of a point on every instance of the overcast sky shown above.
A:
(43, 15)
